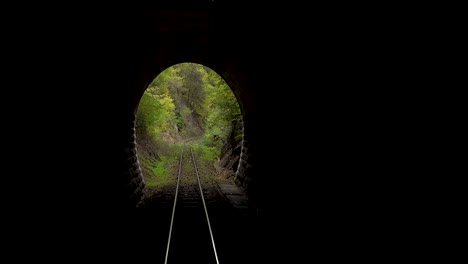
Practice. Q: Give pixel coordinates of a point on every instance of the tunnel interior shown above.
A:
(318, 152)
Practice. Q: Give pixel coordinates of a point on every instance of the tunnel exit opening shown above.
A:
(187, 103)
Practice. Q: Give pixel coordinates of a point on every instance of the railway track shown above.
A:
(192, 220)
(191, 238)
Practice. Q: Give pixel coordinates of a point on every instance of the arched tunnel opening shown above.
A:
(173, 109)
(187, 103)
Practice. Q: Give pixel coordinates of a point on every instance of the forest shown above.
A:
(187, 103)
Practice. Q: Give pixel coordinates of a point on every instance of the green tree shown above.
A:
(156, 108)
(189, 97)
(224, 111)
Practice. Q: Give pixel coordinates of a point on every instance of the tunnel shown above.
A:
(171, 36)
(310, 93)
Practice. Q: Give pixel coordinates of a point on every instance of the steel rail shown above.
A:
(174, 206)
(204, 205)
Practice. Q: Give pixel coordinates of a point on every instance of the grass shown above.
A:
(205, 152)
(156, 172)
(159, 171)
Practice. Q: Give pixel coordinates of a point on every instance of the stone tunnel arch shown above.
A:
(133, 170)
(159, 38)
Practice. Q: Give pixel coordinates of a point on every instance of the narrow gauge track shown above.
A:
(191, 238)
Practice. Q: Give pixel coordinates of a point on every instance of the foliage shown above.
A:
(184, 101)
(156, 171)
(224, 109)
(206, 152)
(189, 96)
(156, 108)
